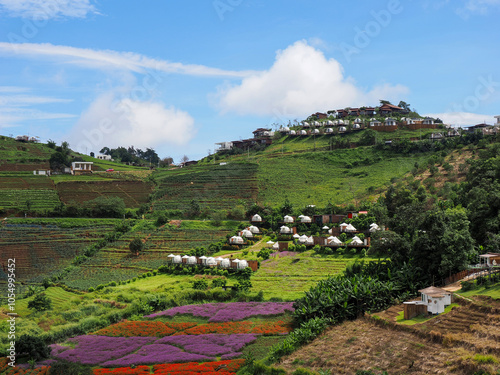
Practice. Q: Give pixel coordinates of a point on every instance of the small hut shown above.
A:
(192, 260)
(177, 259)
(256, 218)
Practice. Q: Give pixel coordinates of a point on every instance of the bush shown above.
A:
(33, 346)
(40, 303)
(136, 246)
(200, 284)
(69, 368)
(264, 253)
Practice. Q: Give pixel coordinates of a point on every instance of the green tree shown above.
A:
(444, 244)
(136, 246)
(33, 346)
(41, 302)
(107, 207)
(368, 138)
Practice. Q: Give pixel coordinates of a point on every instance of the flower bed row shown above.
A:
(208, 368)
(5, 369)
(161, 329)
(226, 312)
(107, 351)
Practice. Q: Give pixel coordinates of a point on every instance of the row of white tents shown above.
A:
(208, 261)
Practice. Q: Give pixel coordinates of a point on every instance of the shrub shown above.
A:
(200, 284)
(303, 371)
(69, 368)
(40, 303)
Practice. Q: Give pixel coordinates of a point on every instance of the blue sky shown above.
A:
(179, 76)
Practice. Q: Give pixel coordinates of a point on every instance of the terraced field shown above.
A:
(20, 191)
(290, 274)
(42, 249)
(115, 262)
(133, 193)
(215, 186)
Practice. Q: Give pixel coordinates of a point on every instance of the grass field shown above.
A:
(215, 186)
(288, 277)
(339, 177)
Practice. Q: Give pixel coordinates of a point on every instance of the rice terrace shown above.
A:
(355, 251)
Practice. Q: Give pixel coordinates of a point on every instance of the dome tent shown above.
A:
(288, 219)
(296, 236)
(356, 241)
(246, 233)
(256, 218)
(270, 243)
(305, 219)
(211, 261)
(276, 246)
(192, 260)
(350, 228)
(225, 263)
(285, 230)
(253, 229)
(236, 240)
(242, 264)
(177, 259)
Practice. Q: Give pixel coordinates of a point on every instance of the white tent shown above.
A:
(270, 243)
(203, 259)
(219, 259)
(192, 260)
(315, 131)
(246, 233)
(256, 218)
(305, 219)
(242, 264)
(310, 240)
(171, 256)
(328, 130)
(341, 122)
(236, 240)
(177, 259)
(303, 132)
(329, 122)
(306, 124)
(296, 236)
(293, 132)
(253, 229)
(211, 261)
(185, 257)
(301, 216)
(342, 129)
(288, 219)
(276, 246)
(350, 228)
(356, 126)
(303, 239)
(285, 230)
(356, 241)
(225, 263)
(358, 121)
(317, 123)
(343, 226)
(374, 227)
(334, 241)
(325, 228)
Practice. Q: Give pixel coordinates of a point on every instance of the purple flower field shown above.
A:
(94, 350)
(125, 351)
(226, 312)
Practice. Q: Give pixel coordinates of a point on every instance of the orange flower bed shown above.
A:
(207, 368)
(139, 370)
(143, 329)
(261, 328)
(5, 369)
(161, 329)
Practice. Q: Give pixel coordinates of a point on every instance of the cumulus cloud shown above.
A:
(482, 7)
(462, 118)
(301, 81)
(47, 9)
(106, 59)
(114, 122)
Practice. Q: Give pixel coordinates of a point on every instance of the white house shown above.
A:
(390, 121)
(223, 146)
(489, 258)
(428, 121)
(436, 299)
(104, 157)
(80, 167)
(42, 172)
(498, 120)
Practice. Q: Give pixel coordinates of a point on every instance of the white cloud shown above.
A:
(17, 107)
(47, 9)
(301, 81)
(482, 7)
(462, 118)
(113, 122)
(107, 59)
